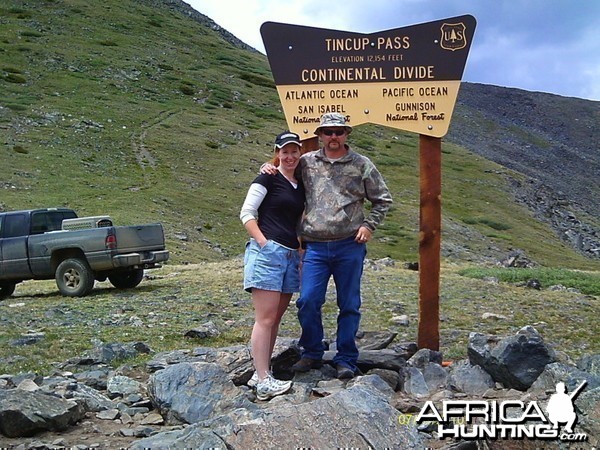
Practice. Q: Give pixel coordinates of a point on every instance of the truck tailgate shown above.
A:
(140, 238)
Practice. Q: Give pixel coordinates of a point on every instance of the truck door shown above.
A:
(14, 263)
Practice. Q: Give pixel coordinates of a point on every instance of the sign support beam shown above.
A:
(310, 144)
(406, 78)
(430, 221)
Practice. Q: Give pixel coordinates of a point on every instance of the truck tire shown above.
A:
(74, 278)
(6, 290)
(126, 280)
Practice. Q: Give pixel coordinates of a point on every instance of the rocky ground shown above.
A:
(166, 312)
(194, 393)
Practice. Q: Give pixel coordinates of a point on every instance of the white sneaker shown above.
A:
(252, 382)
(270, 387)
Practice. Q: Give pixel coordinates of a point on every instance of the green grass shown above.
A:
(155, 117)
(176, 299)
(586, 282)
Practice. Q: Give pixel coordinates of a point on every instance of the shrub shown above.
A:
(12, 70)
(488, 222)
(257, 79)
(495, 225)
(15, 78)
(186, 89)
(30, 33)
(20, 149)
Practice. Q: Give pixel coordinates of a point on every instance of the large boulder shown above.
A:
(588, 413)
(515, 361)
(192, 392)
(357, 417)
(235, 360)
(571, 376)
(25, 413)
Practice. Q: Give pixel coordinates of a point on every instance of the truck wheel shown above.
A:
(6, 290)
(74, 278)
(126, 280)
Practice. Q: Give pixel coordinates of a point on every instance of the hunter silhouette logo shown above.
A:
(560, 407)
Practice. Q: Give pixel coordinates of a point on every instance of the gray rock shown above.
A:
(28, 339)
(425, 356)
(192, 392)
(325, 388)
(359, 416)
(94, 378)
(163, 360)
(374, 340)
(391, 377)
(109, 414)
(406, 349)
(371, 359)
(204, 331)
(515, 361)
(560, 372)
(107, 353)
(590, 364)
(587, 406)
(193, 436)
(363, 419)
(122, 386)
(472, 380)
(198, 388)
(92, 399)
(236, 360)
(414, 383)
(435, 376)
(24, 413)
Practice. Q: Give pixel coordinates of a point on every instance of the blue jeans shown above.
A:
(343, 260)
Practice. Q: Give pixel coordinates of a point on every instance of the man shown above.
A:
(334, 232)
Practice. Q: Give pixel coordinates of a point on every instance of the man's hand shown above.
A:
(268, 168)
(363, 236)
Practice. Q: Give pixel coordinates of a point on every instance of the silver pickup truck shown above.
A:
(54, 243)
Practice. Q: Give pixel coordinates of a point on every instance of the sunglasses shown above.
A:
(332, 132)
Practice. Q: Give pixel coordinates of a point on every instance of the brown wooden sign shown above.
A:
(406, 78)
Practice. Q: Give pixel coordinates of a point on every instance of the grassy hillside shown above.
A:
(140, 112)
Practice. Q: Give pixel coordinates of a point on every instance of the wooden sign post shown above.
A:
(406, 78)
(430, 226)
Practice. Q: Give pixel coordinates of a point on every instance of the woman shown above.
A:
(270, 214)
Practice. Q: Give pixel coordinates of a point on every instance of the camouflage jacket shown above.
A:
(335, 195)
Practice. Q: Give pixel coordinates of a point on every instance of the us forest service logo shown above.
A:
(453, 36)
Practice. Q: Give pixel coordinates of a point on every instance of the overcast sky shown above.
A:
(537, 45)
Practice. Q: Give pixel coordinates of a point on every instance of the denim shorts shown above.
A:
(271, 268)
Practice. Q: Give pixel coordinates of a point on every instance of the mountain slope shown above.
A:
(547, 137)
(148, 111)
(553, 141)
